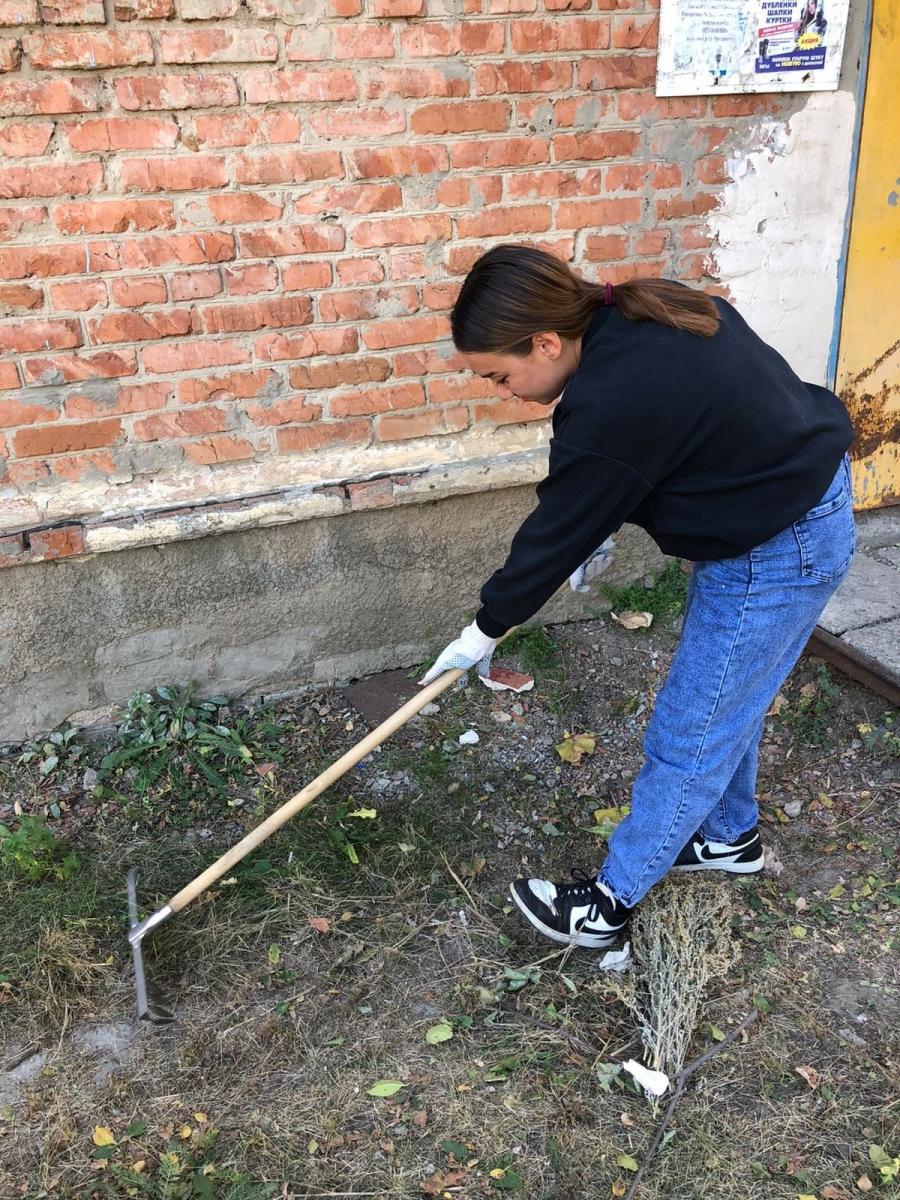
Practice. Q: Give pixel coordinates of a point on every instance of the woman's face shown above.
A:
(538, 376)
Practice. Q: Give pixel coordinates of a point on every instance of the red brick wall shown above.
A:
(227, 236)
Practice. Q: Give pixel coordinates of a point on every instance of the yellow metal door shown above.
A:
(868, 370)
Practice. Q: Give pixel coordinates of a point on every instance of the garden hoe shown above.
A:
(150, 1008)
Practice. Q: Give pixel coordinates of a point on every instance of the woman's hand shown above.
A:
(592, 568)
(471, 648)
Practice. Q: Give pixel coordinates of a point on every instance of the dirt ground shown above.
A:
(371, 942)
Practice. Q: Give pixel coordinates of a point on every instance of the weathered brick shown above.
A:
(78, 297)
(686, 206)
(175, 91)
(208, 10)
(368, 303)
(143, 10)
(356, 198)
(187, 173)
(287, 166)
(131, 398)
(400, 231)
(10, 54)
(383, 335)
(500, 152)
(552, 75)
(62, 542)
(575, 214)
(306, 276)
(50, 179)
(72, 12)
(506, 221)
(398, 8)
(415, 83)
(315, 238)
(257, 277)
(309, 44)
(18, 12)
(361, 123)
(66, 258)
(301, 439)
(114, 216)
(360, 270)
(196, 285)
(76, 368)
(9, 377)
(64, 437)
(183, 248)
(88, 50)
(635, 32)
(44, 97)
(292, 410)
(24, 337)
(262, 314)
(371, 400)
(122, 133)
(397, 161)
(510, 412)
(217, 45)
(550, 37)
(12, 550)
(17, 412)
(456, 389)
(617, 71)
(142, 327)
(605, 247)
(247, 129)
(325, 375)
(265, 87)
(236, 208)
(181, 423)
(26, 140)
(462, 117)
(428, 423)
(224, 448)
(236, 385)
(617, 143)
(193, 355)
(276, 347)
(138, 290)
(89, 464)
(553, 184)
(361, 40)
(19, 297)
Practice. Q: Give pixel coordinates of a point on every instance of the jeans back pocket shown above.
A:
(826, 534)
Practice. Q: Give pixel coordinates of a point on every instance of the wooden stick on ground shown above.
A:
(680, 1080)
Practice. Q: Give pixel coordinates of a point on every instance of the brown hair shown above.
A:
(514, 292)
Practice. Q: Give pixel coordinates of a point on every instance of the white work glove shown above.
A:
(593, 567)
(470, 648)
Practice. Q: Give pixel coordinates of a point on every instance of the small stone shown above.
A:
(89, 782)
(502, 718)
(649, 582)
(793, 808)
(615, 661)
(428, 710)
(469, 738)
(518, 710)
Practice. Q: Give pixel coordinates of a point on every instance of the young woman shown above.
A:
(676, 417)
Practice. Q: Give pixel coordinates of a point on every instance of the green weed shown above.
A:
(32, 851)
(881, 736)
(57, 752)
(170, 739)
(810, 716)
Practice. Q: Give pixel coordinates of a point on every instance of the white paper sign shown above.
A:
(709, 47)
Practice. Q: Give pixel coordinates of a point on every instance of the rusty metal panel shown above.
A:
(868, 375)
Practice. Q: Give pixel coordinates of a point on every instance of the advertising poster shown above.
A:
(720, 46)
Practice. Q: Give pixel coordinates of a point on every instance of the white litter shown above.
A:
(469, 738)
(654, 1083)
(616, 960)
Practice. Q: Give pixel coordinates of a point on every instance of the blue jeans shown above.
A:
(746, 623)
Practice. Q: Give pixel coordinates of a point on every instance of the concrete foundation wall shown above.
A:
(260, 610)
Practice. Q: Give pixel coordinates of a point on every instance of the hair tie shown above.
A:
(607, 294)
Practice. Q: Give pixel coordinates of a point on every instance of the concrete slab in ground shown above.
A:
(877, 527)
(880, 642)
(379, 696)
(889, 555)
(870, 593)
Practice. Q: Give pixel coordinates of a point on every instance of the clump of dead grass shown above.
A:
(681, 942)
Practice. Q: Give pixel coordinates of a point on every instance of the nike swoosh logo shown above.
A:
(710, 855)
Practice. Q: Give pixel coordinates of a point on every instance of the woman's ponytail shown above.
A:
(514, 292)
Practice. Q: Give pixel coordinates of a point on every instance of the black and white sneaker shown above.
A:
(743, 857)
(583, 913)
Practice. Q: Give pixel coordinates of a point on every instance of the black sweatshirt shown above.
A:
(712, 445)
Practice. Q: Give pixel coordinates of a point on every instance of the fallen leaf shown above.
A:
(420, 1118)
(810, 1074)
(366, 814)
(618, 1188)
(440, 1181)
(138, 1165)
(806, 1196)
(777, 705)
(185, 1132)
(633, 620)
(385, 1087)
(575, 746)
(102, 1136)
(201, 1118)
(626, 1162)
(441, 1032)
(864, 1183)
(832, 1193)
(320, 924)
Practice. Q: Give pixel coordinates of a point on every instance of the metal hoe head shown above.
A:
(151, 1007)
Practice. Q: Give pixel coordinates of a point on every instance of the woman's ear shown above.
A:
(547, 345)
